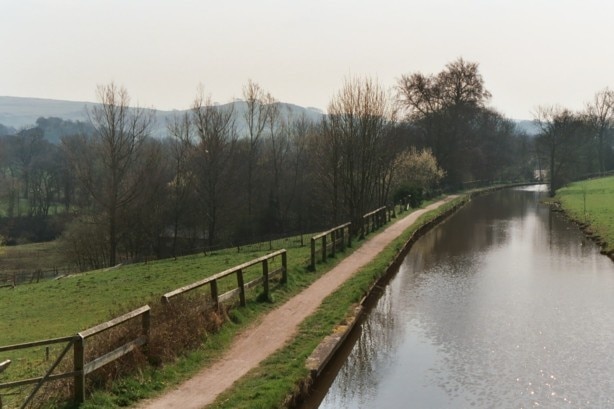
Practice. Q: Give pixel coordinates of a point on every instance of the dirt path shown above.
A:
(276, 328)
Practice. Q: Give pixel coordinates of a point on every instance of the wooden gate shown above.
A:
(81, 368)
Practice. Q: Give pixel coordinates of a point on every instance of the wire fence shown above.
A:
(17, 277)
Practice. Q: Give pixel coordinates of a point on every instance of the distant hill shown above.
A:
(19, 112)
(528, 127)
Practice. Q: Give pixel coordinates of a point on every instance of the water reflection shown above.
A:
(502, 305)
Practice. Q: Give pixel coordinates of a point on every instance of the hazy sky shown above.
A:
(531, 52)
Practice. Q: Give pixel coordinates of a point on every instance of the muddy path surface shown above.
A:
(276, 328)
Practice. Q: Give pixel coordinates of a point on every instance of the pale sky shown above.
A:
(531, 53)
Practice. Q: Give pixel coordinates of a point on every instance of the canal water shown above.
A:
(504, 305)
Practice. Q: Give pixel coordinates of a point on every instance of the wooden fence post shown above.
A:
(333, 240)
(214, 295)
(284, 266)
(146, 323)
(324, 248)
(265, 276)
(342, 238)
(78, 365)
(362, 228)
(241, 285)
(350, 235)
(313, 254)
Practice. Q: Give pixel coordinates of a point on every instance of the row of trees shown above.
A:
(573, 145)
(235, 172)
(34, 171)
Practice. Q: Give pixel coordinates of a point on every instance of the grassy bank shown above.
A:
(31, 257)
(591, 203)
(65, 306)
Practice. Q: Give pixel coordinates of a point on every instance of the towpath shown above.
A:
(276, 328)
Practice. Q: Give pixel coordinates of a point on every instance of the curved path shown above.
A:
(276, 328)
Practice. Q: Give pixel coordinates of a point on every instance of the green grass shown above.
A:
(591, 202)
(65, 306)
(24, 207)
(31, 257)
(62, 307)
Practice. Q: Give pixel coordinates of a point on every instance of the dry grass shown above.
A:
(175, 330)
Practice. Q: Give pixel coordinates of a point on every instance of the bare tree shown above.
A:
(297, 170)
(216, 137)
(113, 163)
(357, 121)
(443, 107)
(43, 180)
(563, 134)
(182, 133)
(601, 116)
(325, 151)
(257, 112)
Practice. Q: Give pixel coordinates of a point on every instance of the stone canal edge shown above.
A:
(279, 326)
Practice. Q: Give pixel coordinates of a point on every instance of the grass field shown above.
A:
(65, 306)
(31, 257)
(591, 202)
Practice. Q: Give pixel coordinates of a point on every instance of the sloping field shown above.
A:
(67, 305)
(591, 202)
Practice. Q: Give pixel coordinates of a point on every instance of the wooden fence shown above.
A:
(13, 278)
(337, 241)
(212, 281)
(81, 368)
(374, 220)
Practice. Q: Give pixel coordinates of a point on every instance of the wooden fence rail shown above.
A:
(212, 281)
(374, 220)
(337, 241)
(80, 367)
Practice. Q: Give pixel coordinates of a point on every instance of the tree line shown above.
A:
(575, 145)
(237, 172)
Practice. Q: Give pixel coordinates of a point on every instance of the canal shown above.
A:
(504, 305)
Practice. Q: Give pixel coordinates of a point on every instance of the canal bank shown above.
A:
(590, 204)
(325, 351)
(503, 305)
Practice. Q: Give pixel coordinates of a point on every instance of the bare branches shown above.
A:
(258, 110)
(357, 121)
(113, 164)
(601, 116)
(460, 84)
(216, 137)
(563, 135)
